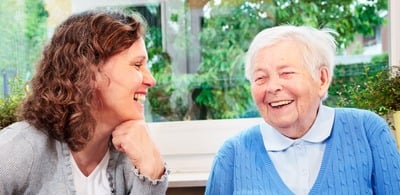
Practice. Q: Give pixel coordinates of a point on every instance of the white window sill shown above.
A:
(188, 147)
(187, 180)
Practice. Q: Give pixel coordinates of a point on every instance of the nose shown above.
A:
(148, 78)
(274, 85)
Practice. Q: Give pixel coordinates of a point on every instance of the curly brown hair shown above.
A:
(62, 92)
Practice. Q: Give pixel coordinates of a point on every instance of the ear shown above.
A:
(100, 78)
(324, 80)
(97, 80)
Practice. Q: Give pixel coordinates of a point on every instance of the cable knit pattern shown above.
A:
(32, 163)
(360, 158)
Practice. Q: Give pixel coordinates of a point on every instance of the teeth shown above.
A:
(139, 98)
(280, 103)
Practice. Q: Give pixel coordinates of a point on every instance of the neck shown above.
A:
(91, 155)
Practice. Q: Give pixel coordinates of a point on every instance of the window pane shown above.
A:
(196, 47)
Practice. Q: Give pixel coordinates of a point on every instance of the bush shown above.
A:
(10, 104)
(379, 93)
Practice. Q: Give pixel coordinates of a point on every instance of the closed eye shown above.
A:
(137, 65)
(138, 62)
(259, 80)
(287, 74)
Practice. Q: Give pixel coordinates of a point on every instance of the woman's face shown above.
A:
(123, 84)
(283, 89)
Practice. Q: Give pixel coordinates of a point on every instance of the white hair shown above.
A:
(318, 47)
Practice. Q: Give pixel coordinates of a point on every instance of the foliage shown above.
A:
(164, 105)
(166, 100)
(161, 69)
(382, 58)
(218, 89)
(356, 17)
(35, 28)
(346, 75)
(9, 105)
(22, 35)
(379, 92)
(22, 39)
(219, 85)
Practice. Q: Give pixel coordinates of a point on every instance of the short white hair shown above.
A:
(318, 47)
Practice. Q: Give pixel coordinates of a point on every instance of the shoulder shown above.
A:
(22, 133)
(366, 117)
(16, 154)
(20, 145)
(355, 112)
(362, 120)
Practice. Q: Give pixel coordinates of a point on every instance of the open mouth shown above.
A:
(139, 98)
(280, 104)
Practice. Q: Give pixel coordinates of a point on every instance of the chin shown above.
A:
(132, 117)
(138, 116)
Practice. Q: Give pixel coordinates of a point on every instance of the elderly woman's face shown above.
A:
(123, 84)
(284, 91)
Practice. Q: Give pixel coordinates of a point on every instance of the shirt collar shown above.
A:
(319, 131)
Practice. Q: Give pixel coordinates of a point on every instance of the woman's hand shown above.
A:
(132, 138)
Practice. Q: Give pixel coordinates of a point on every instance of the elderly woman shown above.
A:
(303, 147)
(83, 129)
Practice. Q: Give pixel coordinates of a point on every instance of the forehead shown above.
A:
(138, 47)
(136, 50)
(280, 53)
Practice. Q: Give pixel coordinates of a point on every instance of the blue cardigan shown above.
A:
(360, 158)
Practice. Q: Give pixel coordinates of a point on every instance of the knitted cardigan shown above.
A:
(360, 158)
(33, 163)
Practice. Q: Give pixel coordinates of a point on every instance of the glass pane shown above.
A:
(196, 47)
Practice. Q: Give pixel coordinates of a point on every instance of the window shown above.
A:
(196, 50)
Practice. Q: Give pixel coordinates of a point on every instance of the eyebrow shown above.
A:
(134, 59)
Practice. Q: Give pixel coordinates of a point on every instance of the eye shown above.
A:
(287, 74)
(137, 65)
(259, 80)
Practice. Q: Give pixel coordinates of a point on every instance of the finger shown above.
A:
(118, 144)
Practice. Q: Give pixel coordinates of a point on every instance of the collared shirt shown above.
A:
(298, 161)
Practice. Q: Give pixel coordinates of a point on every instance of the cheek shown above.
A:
(257, 93)
(136, 79)
(129, 80)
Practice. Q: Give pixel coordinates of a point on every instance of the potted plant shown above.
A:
(394, 83)
(380, 93)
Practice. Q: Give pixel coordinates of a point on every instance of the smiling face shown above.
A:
(123, 84)
(283, 89)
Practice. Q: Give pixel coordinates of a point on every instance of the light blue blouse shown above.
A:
(304, 154)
